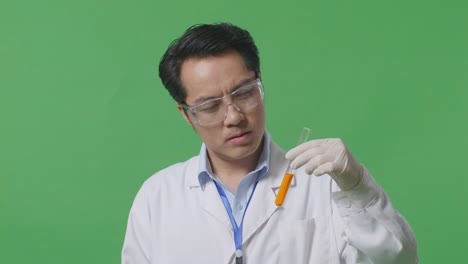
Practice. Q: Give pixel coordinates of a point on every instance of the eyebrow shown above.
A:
(237, 86)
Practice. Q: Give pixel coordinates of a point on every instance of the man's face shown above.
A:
(239, 135)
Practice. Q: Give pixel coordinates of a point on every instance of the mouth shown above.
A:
(239, 137)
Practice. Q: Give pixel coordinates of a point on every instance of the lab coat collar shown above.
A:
(277, 165)
(261, 207)
(205, 172)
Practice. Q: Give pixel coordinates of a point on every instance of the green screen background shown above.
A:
(84, 119)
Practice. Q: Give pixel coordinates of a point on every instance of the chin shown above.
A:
(240, 154)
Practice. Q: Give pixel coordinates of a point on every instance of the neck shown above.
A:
(231, 172)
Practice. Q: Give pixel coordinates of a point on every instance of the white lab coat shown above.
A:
(173, 220)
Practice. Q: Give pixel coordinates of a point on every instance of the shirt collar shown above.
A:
(205, 172)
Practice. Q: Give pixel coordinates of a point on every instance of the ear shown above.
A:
(184, 114)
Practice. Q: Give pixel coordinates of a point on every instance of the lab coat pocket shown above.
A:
(305, 241)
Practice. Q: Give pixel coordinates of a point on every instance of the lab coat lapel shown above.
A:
(262, 206)
(209, 196)
(212, 204)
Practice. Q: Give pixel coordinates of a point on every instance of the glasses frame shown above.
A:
(192, 109)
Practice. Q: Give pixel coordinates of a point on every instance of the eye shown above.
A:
(210, 107)
(244, 93)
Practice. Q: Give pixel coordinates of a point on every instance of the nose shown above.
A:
(233, 115)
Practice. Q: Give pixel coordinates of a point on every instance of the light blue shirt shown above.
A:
(237, 200)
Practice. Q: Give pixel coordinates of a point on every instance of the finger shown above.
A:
(317, 161)
(293, 153)
(337, 147)
(325, 168)
(305, 157)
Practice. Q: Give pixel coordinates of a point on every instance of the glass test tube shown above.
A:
(283, 190)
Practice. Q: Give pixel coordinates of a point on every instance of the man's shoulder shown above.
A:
(175, 173)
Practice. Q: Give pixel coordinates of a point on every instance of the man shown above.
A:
(219, 206)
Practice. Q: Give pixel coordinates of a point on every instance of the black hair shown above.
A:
(201, 41)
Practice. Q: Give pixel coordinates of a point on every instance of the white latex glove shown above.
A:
(327, 156)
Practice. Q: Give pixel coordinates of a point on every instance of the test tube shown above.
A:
(283, 190)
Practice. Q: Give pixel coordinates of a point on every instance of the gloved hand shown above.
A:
(327, 156)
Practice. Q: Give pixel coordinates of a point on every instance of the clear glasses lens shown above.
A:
(246, 98)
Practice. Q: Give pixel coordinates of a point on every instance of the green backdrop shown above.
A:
(84, 119)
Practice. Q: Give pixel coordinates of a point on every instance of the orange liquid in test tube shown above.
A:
(288, 176)
(284, 188)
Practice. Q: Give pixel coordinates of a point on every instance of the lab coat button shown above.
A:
(240, 207)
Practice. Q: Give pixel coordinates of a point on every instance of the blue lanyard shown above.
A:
(237, 230)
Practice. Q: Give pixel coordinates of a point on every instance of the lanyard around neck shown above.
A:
(237, 229)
